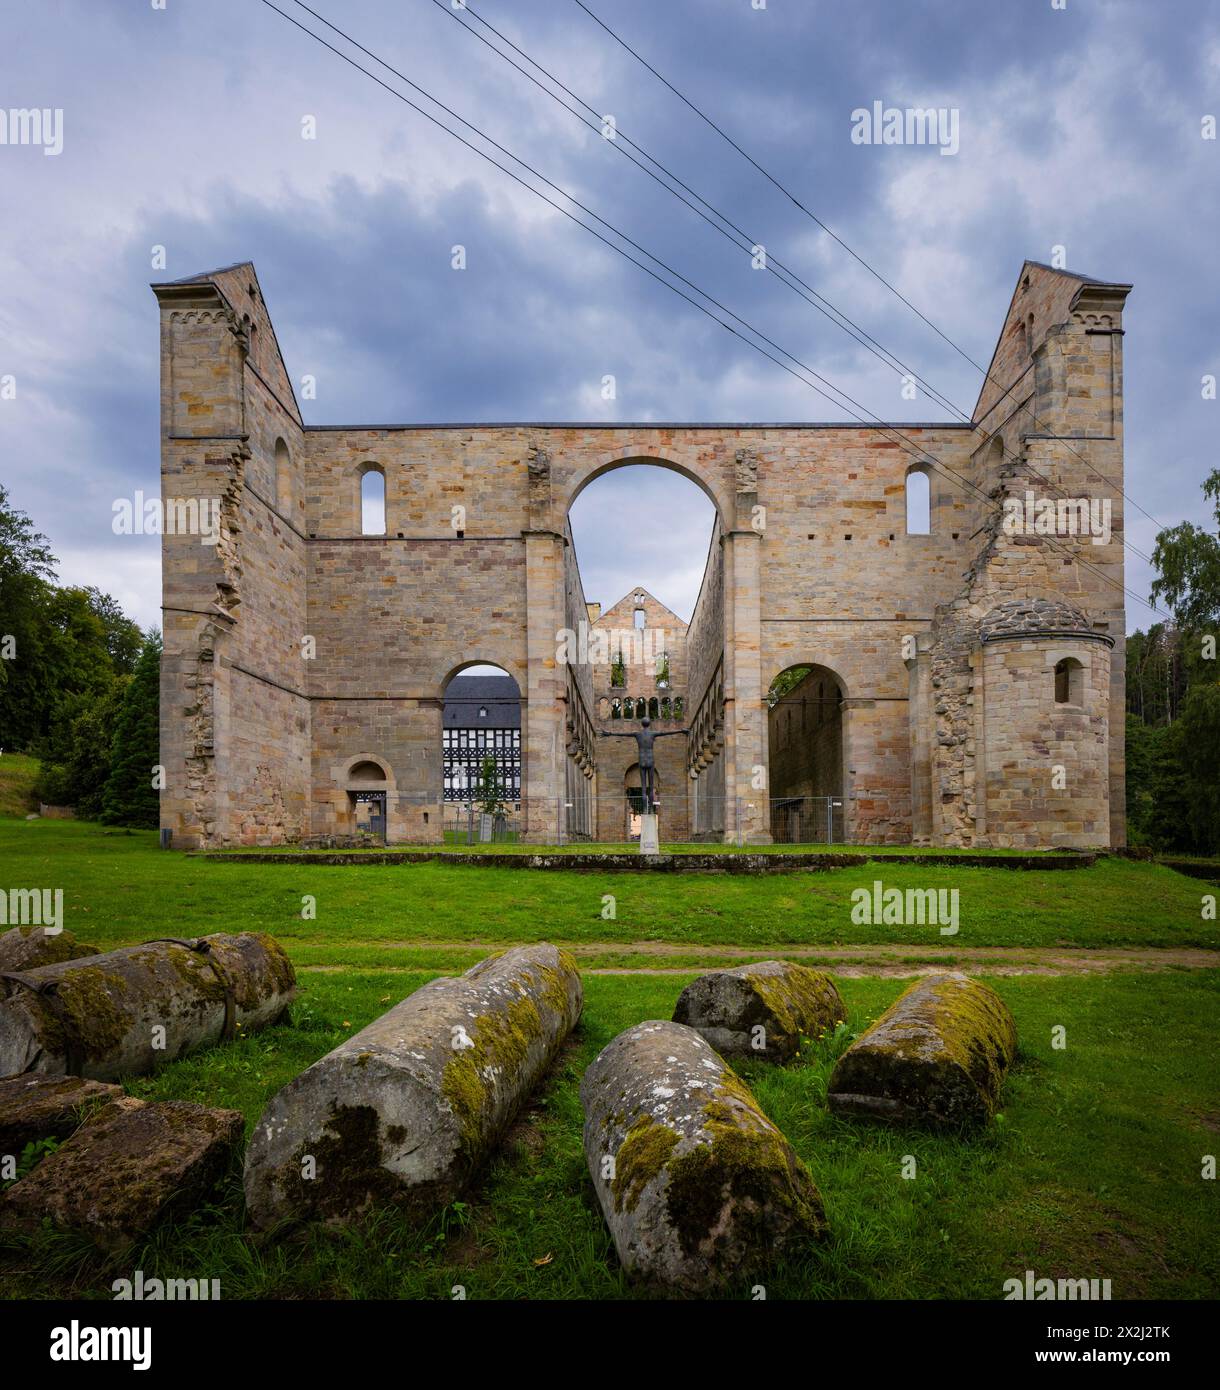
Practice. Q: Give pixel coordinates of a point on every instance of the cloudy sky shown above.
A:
(1078, 127)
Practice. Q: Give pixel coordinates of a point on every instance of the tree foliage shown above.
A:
(1187, 559)
(1173, 697)
(129, 797)
(68, 654)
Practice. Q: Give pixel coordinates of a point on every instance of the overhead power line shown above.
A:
(770, 262)
(911, 447)
(872, 270)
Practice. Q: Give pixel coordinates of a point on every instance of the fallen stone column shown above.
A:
(937, 1056)
(407, 1109)
(696, 1184)
(26, 948)
(125, 1012)
(761, 1010)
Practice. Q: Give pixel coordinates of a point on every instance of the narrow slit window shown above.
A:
(283, 478)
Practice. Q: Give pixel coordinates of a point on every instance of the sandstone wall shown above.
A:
(810, 564)
(235, 719)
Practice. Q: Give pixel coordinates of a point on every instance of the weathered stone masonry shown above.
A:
(297, 648)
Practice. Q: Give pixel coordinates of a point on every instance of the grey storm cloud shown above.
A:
(1080, 128)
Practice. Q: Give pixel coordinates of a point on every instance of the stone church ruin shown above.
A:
(877, 633)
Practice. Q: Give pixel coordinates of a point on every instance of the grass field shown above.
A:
(119, 887)
(1093, 1170)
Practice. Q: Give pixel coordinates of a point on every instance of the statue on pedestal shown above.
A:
(644, 739)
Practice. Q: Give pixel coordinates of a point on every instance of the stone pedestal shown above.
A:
(650, 838)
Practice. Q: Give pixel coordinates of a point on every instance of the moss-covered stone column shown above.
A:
(697, 1186)
(405, 1111)
(127, 1011)
(761, 1010)
(937, 1056)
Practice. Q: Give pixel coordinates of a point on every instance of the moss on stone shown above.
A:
(90, 997)
(349, 1174)
(555, 983)
(275, 974)
(800, 1000)
(500, 1042)
(499, 1045)
(939, 1053)
(642, 1155)
(744, 1163)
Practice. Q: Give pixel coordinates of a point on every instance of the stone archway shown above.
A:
(481, 748)
(714, 479)
(633, 799)
(365, 795)
(808, 765)
(560, 466)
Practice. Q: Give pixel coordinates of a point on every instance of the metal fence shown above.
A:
(466, 823)
(807, 820)
(802, 820)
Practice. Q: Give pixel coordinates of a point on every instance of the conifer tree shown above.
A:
(129, 797)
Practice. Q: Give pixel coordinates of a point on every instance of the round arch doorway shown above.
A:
(807, 755)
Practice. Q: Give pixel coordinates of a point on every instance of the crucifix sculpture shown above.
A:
(644, 739)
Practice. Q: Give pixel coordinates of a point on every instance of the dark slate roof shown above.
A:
(466, 695)
(1037, 617)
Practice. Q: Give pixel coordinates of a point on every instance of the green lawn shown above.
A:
(1094, 1170)
(119, 888)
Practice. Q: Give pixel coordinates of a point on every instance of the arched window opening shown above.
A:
(372, 502)
(919, 503)
(665, 561)
(283, 478)
(1069, 682)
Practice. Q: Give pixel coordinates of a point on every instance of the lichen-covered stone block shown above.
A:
(697, 1186)
(125, 1169)
(407, 1110)
(26, 948)
(761, 1010)
(127, 1011)
(936, 1057)
(46, 1107)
